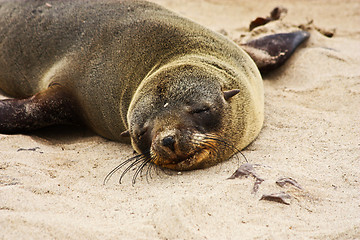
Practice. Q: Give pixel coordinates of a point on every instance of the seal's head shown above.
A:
(180, 115)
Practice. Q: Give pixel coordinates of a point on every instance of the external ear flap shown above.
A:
(230, 93)
(125, 133)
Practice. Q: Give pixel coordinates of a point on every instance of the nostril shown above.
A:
(169, 142)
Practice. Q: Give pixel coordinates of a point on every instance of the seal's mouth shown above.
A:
(193, 161)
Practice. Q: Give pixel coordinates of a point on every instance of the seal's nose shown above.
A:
(169, 142)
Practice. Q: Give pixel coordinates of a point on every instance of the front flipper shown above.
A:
(272, 51)
(50, 107)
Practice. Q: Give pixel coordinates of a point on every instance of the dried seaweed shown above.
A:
(246, 170)
(35, 149)
(282, 181)
(281, 197)
(275, 14)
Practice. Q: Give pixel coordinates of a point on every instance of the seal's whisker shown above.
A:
(199, 141)
(148, 171)
(210, 146)
(135, 160)
(164, 170)
(226, 144)
(209, 141)
(151, 165)
(111, 173)
(140, 169)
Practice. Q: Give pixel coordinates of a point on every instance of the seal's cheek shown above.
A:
(141, 139)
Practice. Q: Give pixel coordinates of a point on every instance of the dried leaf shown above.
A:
(259, 21)
(246, 170)
(257, 184)
(35, 149)
(281, 197)
(275, 14)
(282, 181)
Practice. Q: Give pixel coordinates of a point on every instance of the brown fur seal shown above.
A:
(187, 97)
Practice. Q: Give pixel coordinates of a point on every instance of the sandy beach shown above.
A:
(51, 181)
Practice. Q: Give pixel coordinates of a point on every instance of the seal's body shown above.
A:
(182, 92)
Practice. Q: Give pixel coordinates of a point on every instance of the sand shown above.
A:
(54, 188)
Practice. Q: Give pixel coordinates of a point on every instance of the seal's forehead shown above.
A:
(180, 85)
(192, 91)
(177, 94)
(191, 85)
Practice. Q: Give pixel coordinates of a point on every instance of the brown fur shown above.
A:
(126, 64)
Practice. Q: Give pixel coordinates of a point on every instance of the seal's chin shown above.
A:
(197, 160)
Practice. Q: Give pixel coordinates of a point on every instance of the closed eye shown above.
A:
(200, 110)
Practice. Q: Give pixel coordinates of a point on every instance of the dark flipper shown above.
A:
(272, 51)
(50, 107)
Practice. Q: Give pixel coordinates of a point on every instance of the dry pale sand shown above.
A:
(311, 134)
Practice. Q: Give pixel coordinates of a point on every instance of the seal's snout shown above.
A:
(171, 146)
(171, 152)
(169, 142)
(166, 144)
